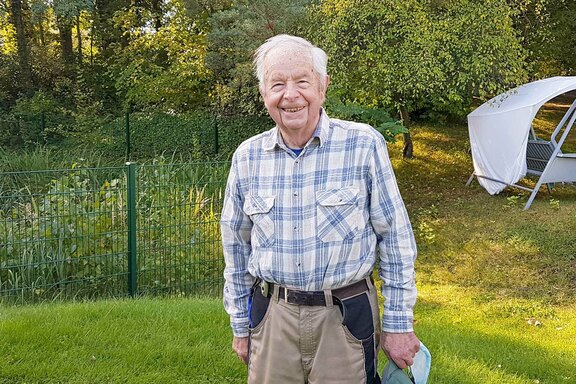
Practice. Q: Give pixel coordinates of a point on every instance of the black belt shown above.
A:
(314, 298)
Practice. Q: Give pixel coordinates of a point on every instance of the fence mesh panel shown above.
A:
(179, 243)
(64, 233)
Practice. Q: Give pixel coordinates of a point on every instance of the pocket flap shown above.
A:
(258, 204)
(335, 197)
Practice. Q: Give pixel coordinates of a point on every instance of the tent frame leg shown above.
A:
(470, 179)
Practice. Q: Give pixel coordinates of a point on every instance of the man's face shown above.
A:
(292, 92)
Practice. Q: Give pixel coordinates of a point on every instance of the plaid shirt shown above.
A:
(319, 220)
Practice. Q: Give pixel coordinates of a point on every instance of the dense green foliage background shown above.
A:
(71, 69)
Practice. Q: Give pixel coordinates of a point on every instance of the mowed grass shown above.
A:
(118, 341)
(497, 294)
(188, 341)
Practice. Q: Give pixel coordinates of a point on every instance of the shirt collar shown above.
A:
(321, 132)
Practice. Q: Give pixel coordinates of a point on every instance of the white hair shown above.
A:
(285, 42)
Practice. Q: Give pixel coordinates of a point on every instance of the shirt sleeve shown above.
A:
(396, 244)
(236, 228)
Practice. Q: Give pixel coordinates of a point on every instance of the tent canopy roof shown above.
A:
(499, 130)
(527, 95)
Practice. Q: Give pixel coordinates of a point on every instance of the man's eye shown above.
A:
(277, 86)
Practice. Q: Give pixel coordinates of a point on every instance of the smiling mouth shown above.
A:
(292, 109)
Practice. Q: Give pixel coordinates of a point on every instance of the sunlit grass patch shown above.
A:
(472, 239)
(118, 341)
(475, 339)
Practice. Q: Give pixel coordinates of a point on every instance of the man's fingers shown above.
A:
(243, 358)
(242, 355)
(240, 346)
(404, 363)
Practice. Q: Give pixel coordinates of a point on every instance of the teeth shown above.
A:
(293, 109)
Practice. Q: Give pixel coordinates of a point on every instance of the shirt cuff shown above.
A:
(398, 322)
(240, 327)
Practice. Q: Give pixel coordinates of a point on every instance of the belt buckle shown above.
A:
(264, 288)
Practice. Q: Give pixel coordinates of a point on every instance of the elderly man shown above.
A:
(311, 207)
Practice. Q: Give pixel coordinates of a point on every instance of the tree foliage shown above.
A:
(413, 55)
(236, 32)
(435, 58)
(421, 54)
(546, 29)
(164, 67)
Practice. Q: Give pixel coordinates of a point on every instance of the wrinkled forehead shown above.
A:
(293, 57)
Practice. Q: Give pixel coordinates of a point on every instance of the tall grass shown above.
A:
(69, 237)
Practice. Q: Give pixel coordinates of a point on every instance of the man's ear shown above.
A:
(324, 88)
(261, 90)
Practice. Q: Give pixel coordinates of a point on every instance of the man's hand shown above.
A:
(240, 346)
(400, 347)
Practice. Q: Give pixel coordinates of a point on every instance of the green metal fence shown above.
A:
(109, 232)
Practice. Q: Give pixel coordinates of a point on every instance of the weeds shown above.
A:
(71, 236)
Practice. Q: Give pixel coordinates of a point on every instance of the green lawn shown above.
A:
(124, 341)
(497, 300)
(188, 341)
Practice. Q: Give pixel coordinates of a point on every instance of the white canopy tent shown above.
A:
(500, 135)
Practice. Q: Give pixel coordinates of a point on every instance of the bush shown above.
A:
(197, 136)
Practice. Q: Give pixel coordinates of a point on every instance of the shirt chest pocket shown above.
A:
(337, 214)
(261, 212)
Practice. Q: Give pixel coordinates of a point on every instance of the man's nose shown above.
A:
(291, 90)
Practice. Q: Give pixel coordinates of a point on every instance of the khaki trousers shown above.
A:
(298, 344)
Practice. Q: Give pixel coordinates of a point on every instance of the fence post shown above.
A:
(42, 122)
(216, 143)
(127, 126)
(132, 265)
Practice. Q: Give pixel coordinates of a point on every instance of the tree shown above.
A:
(68, 14)
(236, 33)
(546, 28)
(163, 68)
(414, 54)
(18, 9)
(559, 50)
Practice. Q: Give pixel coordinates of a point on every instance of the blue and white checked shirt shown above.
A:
(320, 220)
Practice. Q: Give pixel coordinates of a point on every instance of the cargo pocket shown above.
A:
(355, 316)
(258, 309)
(358, 324)
(337, 214)
(259, 208)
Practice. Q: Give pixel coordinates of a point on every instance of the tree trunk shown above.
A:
(157, 12)
(41, 31)
(65, 34)
(22, 45)
(408, 150)
(79, 38)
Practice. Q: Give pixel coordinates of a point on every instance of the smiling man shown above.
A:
(311, 208)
